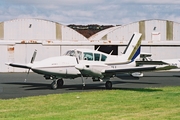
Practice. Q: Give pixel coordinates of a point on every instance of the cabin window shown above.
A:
(103, 58)
(96, 57)
(88, 56)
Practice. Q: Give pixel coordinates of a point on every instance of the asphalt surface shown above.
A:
(12, 85)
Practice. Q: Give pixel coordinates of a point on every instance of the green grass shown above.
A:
(134, 104)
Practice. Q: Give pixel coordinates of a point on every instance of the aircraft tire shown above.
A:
(54, 85)
(60, 83)
(108, 85)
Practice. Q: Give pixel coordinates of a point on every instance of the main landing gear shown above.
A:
(58, 83)
(108, 85)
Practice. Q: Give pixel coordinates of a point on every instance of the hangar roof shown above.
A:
(152, 30)
(37, 29)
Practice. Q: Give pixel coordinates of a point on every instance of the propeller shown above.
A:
(79, 67)
(32, 60)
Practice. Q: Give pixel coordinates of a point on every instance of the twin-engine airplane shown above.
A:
(88, 63)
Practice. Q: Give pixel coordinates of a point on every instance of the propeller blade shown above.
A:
(27, 75)
(33, 57)
(79, 66)
(83, 82)
(32, 60)
(76, 55)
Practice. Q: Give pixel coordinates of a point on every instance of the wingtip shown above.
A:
(7, 63)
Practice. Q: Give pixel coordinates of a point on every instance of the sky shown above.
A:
(84, 12)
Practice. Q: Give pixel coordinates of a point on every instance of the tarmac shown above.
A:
(13, 85)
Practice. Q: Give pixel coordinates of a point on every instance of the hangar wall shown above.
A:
(20, 37)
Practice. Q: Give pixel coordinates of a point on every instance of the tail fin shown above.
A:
(133, 48)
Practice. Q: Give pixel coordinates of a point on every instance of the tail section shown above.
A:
(133, 48)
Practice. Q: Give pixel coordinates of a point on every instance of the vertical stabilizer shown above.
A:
(133, 48)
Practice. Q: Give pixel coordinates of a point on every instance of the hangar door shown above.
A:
(107, 49)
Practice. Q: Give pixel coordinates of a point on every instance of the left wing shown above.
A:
(18, 65)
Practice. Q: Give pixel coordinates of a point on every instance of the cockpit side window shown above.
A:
(68, 53)
(103, 57)
(88, 56)
(72, 53)
(96, 56)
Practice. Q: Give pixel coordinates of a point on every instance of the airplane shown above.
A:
(88, 63)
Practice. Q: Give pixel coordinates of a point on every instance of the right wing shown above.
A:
(129, 70)
(139, 63)
(170, 62)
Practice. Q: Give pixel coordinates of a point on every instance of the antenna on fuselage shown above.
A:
(98, 48)
(111, 52)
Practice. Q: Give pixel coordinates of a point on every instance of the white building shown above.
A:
(20, 37)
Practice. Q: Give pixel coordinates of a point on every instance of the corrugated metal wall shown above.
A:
(37, 29)
(26, 33)
(58, 32)
(1, 30)
(169, 30)
(123, 33)
(176, 31)
(166, 31)
(69, 34)
(29, 29)
(142, 29)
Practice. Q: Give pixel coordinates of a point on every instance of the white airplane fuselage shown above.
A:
(67, 67)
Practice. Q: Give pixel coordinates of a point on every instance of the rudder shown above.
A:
(133, 48)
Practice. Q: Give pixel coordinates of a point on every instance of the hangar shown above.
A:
(159, 37)
(20, 37)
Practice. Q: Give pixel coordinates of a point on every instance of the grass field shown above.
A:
(135, 104)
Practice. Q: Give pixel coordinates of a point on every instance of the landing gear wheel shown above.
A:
(54, 85)
(108, 85)
(60, 83)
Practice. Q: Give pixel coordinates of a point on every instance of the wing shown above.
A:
(129, 70)
(18, 65)
(138, 63)
(171, 62)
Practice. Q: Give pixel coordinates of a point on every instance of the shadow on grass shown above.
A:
(140, 89)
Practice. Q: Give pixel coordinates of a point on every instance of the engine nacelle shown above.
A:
(137, 74)
(89, 70)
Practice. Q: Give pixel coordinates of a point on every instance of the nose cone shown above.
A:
(79, 67)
